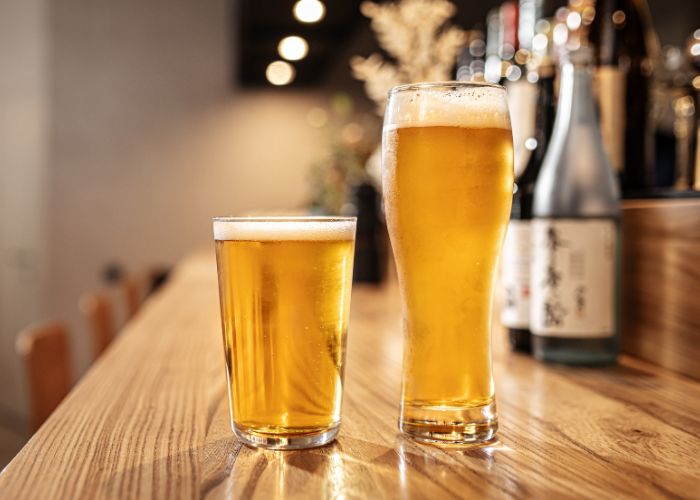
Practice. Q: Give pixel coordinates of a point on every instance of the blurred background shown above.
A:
(126, 125)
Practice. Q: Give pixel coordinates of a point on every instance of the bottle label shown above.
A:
(522, 103)
(515, 275)
(610, 81)
(573, 277)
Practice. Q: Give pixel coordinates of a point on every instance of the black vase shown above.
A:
(370, 240)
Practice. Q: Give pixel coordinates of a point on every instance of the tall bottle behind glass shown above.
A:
(501, 40)
(522, 92)
(470, 62)
(693, 57)
(624, 44)
(575, 235)
(494, 36)
(515, 277)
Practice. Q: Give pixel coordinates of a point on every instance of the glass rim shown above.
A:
(290, 218)
(455, 84)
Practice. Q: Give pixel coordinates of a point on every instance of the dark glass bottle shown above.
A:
(575, 233)
(369, 241)
(693, 58)
(694, 172)
(624, 41)
(516, 252)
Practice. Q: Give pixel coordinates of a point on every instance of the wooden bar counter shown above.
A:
(150, 420)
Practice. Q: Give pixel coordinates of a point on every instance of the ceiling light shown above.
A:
(309, 11)
(573, 21)
(279, 73)
(293, 48)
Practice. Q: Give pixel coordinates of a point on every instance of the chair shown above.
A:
(97, 311)
(44, 349)
(131, 295)
(156, 276)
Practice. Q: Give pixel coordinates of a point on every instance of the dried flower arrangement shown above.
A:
(416, 34)
(351, 138)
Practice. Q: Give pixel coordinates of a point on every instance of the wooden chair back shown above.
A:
(99, 316)
(45, 351)
(131, 295)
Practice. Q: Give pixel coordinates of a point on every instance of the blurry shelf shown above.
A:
(661, 282)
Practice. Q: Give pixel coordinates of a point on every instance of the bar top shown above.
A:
(150, 420)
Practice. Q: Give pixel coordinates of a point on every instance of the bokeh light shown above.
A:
(280, 73)
(293, 48)
(309, 11)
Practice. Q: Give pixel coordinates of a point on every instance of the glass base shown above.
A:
(450, 425)
(296, 440)
(575, 351)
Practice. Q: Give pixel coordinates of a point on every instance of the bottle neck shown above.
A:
(544, 114)
(576, 106)
(576, 177)
(544, 121)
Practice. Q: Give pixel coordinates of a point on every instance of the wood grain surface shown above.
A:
(661, 282)
(150, 420)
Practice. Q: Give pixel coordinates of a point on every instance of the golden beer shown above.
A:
(284, 288)
(448, 184)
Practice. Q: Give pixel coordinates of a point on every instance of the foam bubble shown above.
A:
(285, 229)
(448, 104)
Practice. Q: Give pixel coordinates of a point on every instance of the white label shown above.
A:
(515, 275)
(522, 103)
(573, 277)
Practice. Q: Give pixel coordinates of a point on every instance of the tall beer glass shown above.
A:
(284, 289)
(447, 156)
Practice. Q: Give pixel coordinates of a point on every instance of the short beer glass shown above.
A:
(447, 155)
(284, 289)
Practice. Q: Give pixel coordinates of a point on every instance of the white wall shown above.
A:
(23, 182)
(150, 140)
(147, 140)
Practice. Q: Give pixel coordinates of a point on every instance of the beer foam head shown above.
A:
(284, 228)
(448, 104)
